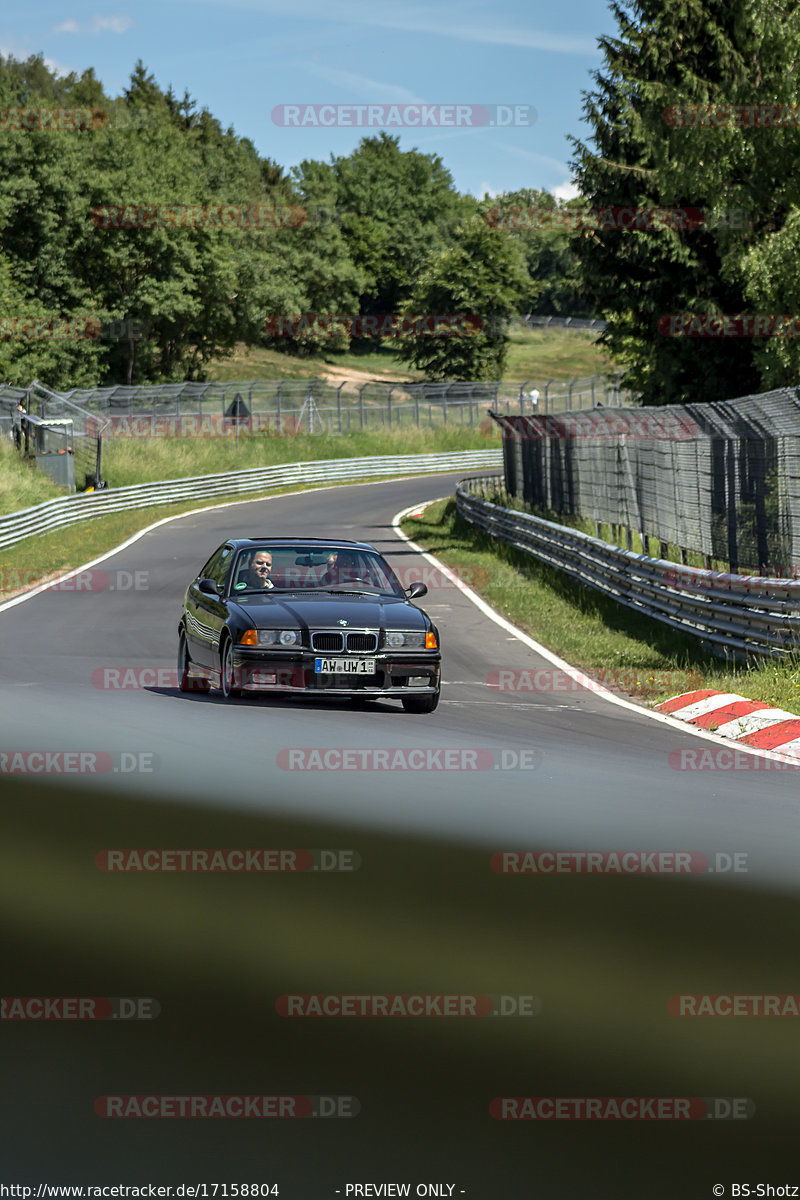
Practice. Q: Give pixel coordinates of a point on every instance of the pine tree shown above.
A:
(648, 153)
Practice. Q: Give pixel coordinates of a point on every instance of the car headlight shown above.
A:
(270, 637)
(396, 638)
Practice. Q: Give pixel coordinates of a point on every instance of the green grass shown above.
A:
(21, 483)
(144, 460)
(534, 354)
(625, 651)
(539, 355)
(257, 362)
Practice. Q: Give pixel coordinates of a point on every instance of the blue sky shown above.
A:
(241, 58)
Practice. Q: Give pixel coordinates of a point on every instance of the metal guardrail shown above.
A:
(580, 323)
(67, 510)
(736, 615)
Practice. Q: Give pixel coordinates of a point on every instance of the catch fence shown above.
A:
(720, 481)
(290, 406)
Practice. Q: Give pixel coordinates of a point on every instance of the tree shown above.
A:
(691, 53)
(545, 230)
(397, 207)
(481, 277)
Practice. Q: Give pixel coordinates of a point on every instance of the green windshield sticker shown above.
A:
(239, 586)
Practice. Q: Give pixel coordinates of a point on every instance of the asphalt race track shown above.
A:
(424, 913)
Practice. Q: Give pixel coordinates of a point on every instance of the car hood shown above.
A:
(286, 609)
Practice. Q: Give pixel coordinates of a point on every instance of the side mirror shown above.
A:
(208, 586)
(417, 589)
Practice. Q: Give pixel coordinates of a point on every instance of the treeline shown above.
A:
(139, 240)
(684, 240)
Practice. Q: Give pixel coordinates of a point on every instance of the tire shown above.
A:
(185, 681)
(420, 704)
(226, 685)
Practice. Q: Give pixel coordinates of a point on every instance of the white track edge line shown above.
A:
(573, 672)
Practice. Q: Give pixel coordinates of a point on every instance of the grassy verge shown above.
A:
(21, 483)
(535, 354)
(145, 460)
(627, 652)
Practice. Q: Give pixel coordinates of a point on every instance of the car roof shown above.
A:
(246, 543)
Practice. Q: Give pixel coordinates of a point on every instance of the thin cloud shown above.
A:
(364, 86)
(534, 157)
(117, 24)
(418, 19)
(99, 24)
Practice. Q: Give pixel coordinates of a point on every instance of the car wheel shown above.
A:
(185, 681)
(420, 704)
(226, 681)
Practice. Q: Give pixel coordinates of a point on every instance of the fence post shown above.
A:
(339, 405)
(361, 403)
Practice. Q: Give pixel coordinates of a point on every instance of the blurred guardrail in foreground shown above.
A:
(734, 615)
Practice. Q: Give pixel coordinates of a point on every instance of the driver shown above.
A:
(258, 574)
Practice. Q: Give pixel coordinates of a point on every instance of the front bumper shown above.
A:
(257, 670)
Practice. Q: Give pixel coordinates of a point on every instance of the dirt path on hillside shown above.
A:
(347, 374)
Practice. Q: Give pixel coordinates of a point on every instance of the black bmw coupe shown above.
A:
(307, 615)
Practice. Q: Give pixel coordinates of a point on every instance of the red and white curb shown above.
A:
(749, 722)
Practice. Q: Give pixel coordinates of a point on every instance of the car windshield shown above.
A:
(312, 568)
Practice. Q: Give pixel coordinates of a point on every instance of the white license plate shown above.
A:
(344, 666)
